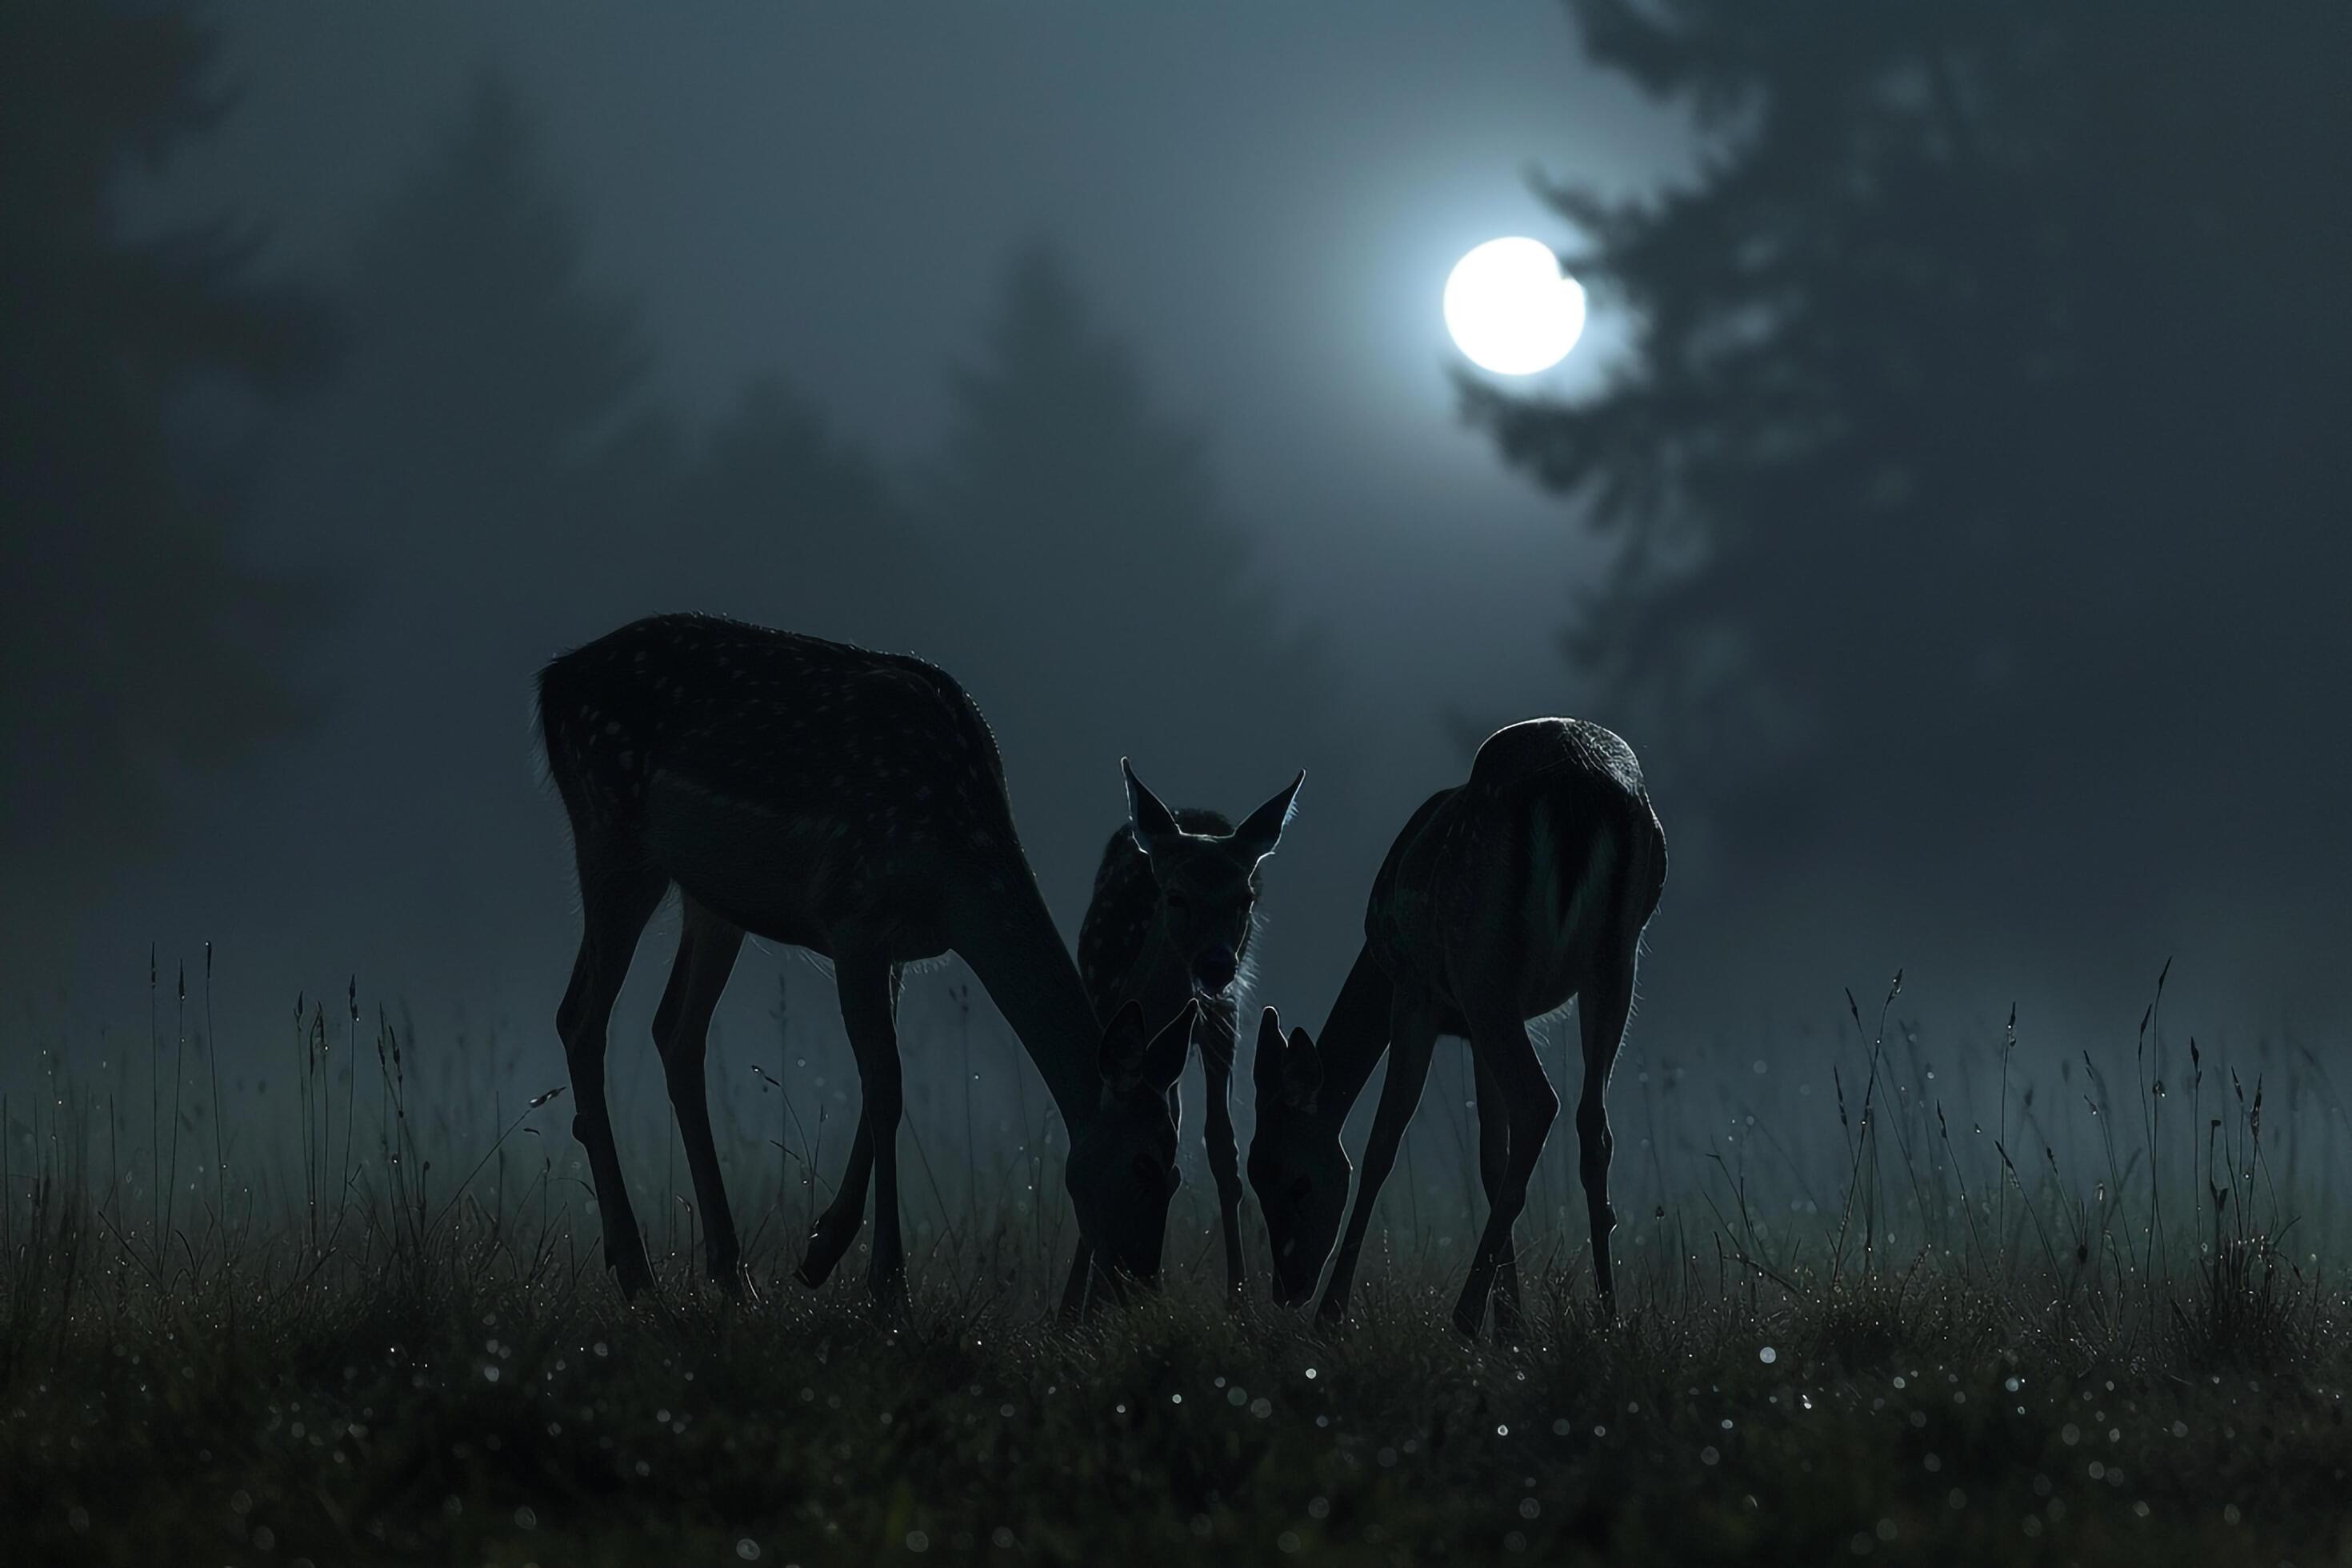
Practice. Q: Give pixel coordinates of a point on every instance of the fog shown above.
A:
(1947, 508)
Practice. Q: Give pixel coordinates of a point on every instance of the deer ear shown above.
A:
(1123, 1046)
(1261, 831)
(1163, 1061)
(1302, 1071)
(1154, 825)
(1266, 1070)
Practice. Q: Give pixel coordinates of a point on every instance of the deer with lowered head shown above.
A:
(1169, 926)
(850, 802)
(1503, 898)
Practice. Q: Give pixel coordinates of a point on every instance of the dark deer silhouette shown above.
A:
(850, 802)
(1502, 898)
(1169, 925)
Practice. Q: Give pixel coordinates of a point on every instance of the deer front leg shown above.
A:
(1412, 1035)
(707, 947)
(616, 902)
(838, 1226)
(1215, 1037)
(1493, 1162)
(868, 995)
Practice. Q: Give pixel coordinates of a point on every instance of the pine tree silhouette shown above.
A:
(1981, 449)
(137, 643)
(1108, 602)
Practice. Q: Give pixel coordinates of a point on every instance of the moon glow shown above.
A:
(1511, 309)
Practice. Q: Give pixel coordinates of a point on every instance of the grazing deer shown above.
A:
(850, 802)
(1174, 907)
(1503, 898)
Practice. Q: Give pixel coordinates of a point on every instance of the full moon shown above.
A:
(1510, 307)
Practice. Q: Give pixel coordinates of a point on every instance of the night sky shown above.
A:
(1261, 204)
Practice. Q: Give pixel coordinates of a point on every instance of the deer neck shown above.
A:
(1354, 1037)
(1003, 930)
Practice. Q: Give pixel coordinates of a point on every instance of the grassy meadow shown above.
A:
(2008, 1304)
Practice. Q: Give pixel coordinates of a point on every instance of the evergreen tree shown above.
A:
(493, 430)
(1106, 600)
(484, 481)
(1977, 476)
(783, 522)
(136, 642)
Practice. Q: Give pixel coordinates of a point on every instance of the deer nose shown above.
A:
(1214, 969)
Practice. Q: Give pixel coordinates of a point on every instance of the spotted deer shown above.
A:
(850, 802)
(1503, 898)
(1169, 925)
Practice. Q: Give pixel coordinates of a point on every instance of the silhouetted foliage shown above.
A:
(1106, 592)
(495, 395)
(1980, 466)
(782, 521)
(485, 477)
(135, 641)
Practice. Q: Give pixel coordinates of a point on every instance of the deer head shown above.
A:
(1208, 883)
(1296, 1166)
(1122, 1170)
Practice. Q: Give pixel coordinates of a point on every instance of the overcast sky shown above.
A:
(1264, 200)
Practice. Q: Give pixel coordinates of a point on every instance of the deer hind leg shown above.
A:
(1500, 1039)
(1216, 1041)
(868, 1002)
(618, 894)
(1412, 1036)
(837, 1228)
(707, 946)
(1493, 1162)
(1075, 1293)
(1601, 1013)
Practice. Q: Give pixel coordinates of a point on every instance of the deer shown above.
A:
(850, 802)
(1502, 898)
(1168, 926)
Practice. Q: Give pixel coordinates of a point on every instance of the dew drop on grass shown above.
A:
(748, 1550)
(1768, 1355)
